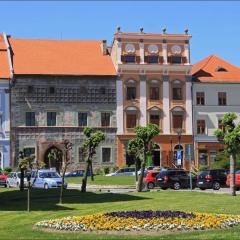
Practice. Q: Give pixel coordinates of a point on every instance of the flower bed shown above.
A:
(143, 220)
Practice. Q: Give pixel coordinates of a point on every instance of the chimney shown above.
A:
(104, 47)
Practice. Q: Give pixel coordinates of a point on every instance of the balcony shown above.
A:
(130, 59)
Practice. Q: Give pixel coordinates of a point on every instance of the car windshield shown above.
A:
(49, 175)
(203, 173)
(238, 172)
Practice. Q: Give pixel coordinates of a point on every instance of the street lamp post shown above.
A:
(179, 133)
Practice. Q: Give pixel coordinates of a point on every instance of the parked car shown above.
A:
(76, 173)
(175, 179)
(237, 180)
(123, 172)
(150, 178)
(214, 178)
(3, 180)
(46, 178)
(14, 179)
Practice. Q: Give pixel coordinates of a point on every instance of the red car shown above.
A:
(3, 180)
(150, 179)
(237, 180)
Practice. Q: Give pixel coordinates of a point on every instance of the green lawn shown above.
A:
(103, 180)
(15, 223)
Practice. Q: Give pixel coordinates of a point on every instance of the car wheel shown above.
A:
(150, 185)
(216, 186)
(164, 188)
(238, 189)
(202, 188)
(46, 186)
(176, 186)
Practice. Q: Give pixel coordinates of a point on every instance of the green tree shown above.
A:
(143, 145)
(55, 155)
(91, 142)
(26, 165)
(66, 161)
(135, 149)
(222, 160)
(230, 137)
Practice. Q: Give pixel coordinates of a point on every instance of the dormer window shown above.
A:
(221, 69)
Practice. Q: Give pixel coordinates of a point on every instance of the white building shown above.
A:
(216, 91)
(5, 76)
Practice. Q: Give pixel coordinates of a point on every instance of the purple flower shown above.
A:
(150, 214)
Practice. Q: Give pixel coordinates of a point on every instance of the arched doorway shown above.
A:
(53, 158)
(156, 158)
(178, 155)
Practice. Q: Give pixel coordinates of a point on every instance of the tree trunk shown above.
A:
(232, 175)
(140, 179)
(62, 185)
(84, 179)
(92, 177)
(21, 179)
(28, 195)
(136, 170)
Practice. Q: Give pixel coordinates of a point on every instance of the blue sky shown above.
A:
(214, 25)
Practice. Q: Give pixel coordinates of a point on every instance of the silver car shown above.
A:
(46, 178)
(14, 179)
(123, 172)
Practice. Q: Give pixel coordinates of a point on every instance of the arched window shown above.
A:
(154, 90)
(131, 117)
(177, 90)
(221, 69)
(131, 90)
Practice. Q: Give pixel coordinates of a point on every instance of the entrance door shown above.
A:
(53, 158)
(156, 157)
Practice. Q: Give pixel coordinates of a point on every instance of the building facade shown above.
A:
(154, 85)
(216, 87)
(57, 94)
(5, 75)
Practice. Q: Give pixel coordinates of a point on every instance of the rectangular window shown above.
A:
(30, 119)
(130, 58)
(82, 119)
(51, 118)
(81, 154)
(177, 121)
(155, 119)
(222, 98)
(105, 119)
(28, 151)
(177, 93)
(131, 93)
(200, 126)
(176, 59)
(131, 120)
(154, 93)
(106, 154)
(200, 98)
(152, 59)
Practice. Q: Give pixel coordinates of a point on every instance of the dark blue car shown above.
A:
(76, 173)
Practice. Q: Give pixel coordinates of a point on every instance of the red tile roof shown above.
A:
(4, 64)
(60, 57)
(206, 70)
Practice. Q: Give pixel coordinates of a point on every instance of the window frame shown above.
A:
(79, 113)
(222, 99)
(177, 84)
(105, 113)
(110, 155)
(200, 98)
(52, 125)
(201, 126)
(32, 121)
